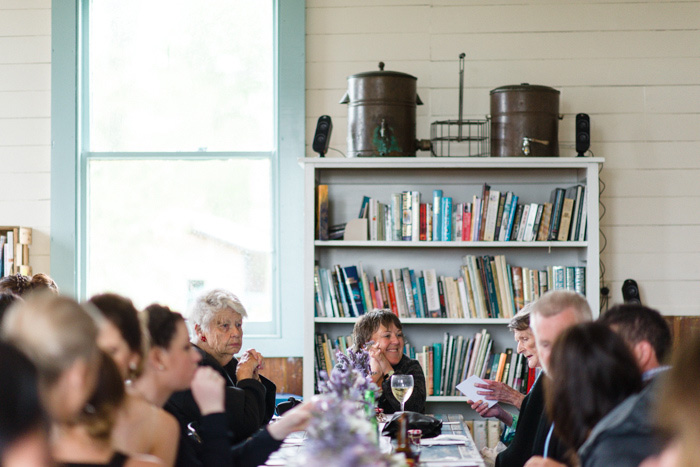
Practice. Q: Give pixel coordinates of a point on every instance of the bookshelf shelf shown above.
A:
(393, 244)
(422, 321)
(348, 180)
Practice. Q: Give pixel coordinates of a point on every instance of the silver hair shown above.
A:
(210, 303)
(556, 301)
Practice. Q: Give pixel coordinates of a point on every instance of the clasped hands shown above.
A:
(249, 364)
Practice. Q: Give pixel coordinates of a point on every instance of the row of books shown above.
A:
(487, 287)
(494, 216)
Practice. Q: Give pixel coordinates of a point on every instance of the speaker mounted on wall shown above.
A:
(322, 138)
(630, 292)
(583, 134)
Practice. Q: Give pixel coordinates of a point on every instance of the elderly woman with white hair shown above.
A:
(217, 317)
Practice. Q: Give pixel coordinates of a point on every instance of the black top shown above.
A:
(558, 450)
(206, 443)
(416, 403)
(520, 448)
(248, 404)
(117, 460)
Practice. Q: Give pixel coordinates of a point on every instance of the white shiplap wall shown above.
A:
(25, 124)
(633, 66)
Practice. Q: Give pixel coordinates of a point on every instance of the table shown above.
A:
(453, 448)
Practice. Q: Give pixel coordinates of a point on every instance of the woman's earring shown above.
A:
(204, 338)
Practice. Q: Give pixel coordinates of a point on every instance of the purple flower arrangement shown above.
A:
(341, 433)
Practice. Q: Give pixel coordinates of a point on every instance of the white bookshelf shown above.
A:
(532, 179)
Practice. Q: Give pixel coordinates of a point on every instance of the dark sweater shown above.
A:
(248, 406)
(521, 446)
(206, 443)
(416, 403)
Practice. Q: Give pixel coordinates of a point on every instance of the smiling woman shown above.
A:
(382, 330)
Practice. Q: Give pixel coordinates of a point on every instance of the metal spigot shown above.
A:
(527, 141)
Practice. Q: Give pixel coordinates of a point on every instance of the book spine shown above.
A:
(396, 215)
(437, 215)
(446, 234)
(406, 221)
(415, 215)
(423, 223)
(322, 213)
(467, 222)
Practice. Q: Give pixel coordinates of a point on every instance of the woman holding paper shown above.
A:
(531, 406)
(383, 329)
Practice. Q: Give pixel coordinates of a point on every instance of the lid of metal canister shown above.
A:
(382, 73)
(525, 87)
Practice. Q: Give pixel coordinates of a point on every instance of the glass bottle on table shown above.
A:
(403, 446)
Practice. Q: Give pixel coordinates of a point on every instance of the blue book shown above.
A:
(352, 280)
(418, 303)
(491, 288)
(437, 368)
(339, 278)
(511, 217)
(437, 218)
(364, 208)
(423, 297)
(446, 219)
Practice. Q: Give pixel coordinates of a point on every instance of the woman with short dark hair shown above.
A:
(383, 329)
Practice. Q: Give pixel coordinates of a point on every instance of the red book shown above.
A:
(373, 294)
(392, 298)
(467, 222)
(423, 223)
(531, 375)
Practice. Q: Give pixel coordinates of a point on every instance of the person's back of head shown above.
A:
(22, 285)
(591, 370)
(637, 323)
(21, 413)
(556, 301)
(55, 333)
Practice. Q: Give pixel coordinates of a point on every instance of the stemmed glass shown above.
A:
(402, 388)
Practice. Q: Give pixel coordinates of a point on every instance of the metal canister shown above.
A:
(381, 113)
(525, 121)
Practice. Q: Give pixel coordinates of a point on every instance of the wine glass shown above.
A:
(402, 388)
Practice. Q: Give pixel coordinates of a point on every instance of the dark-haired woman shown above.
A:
(387, 358)
(19, 284)
(591, 372)
(24, 438)
(172, 365)
(141, 427)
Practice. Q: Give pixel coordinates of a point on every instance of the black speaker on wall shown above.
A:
(583, 133)
(630, 292)
(322, 138)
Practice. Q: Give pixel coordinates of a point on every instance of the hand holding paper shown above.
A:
(468, 388)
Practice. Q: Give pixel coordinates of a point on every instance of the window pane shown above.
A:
(164, 230)
(181, 75)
